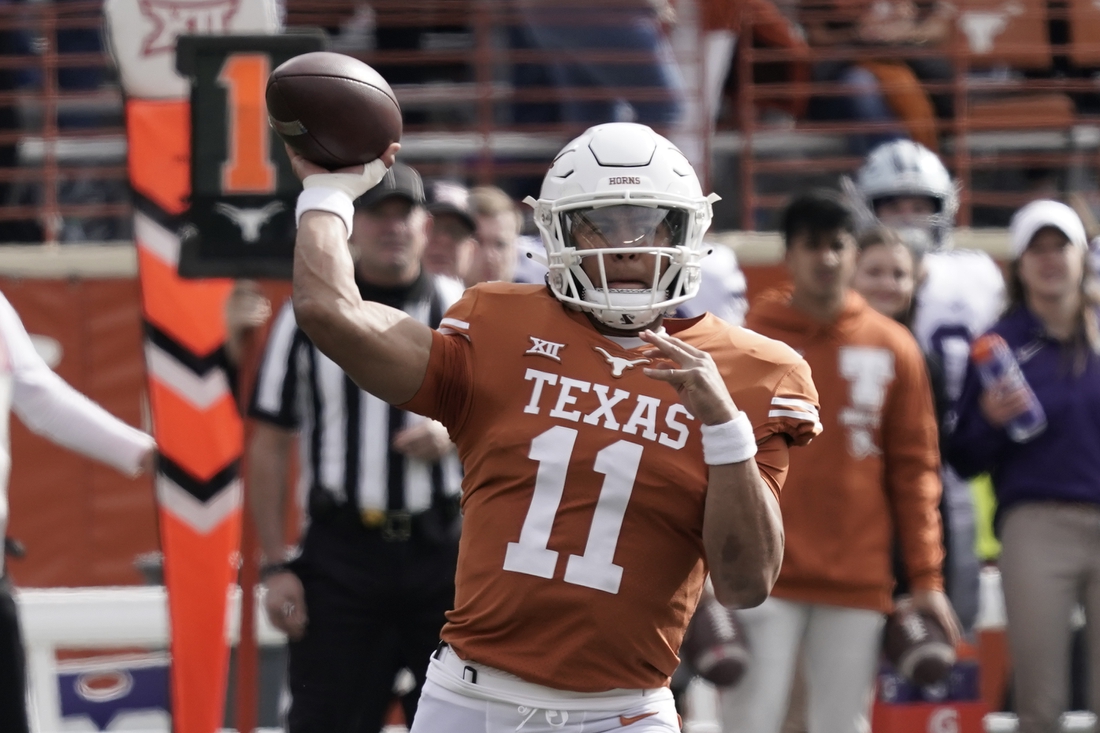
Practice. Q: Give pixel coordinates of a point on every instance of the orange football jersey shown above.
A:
(581, 557)
(875, 473)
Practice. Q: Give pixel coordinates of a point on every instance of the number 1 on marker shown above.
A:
(248, 167)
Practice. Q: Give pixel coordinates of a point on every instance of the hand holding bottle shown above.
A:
(1008, 400)
(1002, 402)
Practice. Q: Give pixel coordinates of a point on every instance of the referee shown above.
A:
(366, 591)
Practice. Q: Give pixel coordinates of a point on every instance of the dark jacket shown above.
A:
(1063, 462)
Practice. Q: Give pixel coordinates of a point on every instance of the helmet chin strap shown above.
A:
(623, 320)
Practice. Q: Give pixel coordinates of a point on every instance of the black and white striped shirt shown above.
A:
(346, 434)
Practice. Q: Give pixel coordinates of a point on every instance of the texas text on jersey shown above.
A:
(584, 496)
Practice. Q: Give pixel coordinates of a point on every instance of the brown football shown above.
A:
(333, 109)
(917, 646)
(714, 645)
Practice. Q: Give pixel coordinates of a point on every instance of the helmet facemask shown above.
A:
(582, 231)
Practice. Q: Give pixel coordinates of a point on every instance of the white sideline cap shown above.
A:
(1045, 213)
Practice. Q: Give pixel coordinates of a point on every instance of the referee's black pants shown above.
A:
(374, 606)
(13, 667)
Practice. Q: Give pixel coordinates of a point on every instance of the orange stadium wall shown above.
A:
(82, 523)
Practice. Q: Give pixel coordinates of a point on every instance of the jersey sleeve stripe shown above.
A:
(453, 323)
(795, 415)
(452, 332)
(797, 404)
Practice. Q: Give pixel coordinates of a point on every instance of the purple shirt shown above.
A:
(1060, 464)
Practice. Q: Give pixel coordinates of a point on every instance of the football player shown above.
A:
(905, 186)
(612, 456)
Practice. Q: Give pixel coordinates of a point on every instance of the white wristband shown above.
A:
(730, 442)
(332, 200)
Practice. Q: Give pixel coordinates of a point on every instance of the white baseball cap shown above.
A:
(1045, 213)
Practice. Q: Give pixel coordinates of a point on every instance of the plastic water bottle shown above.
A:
(996, 364)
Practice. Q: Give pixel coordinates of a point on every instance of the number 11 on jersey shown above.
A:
(596, 569)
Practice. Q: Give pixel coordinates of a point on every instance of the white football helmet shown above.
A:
(626, 185)
(905, 168)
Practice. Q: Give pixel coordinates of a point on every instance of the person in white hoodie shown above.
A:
(49, 406)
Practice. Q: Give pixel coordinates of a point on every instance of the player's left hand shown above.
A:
(696, 379)
(425, 441)
(1001, 402)
(936, 603)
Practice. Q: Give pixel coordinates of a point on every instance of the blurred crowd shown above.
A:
(882, 70)
(874, 71)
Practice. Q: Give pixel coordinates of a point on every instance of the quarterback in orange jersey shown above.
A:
(613, 456)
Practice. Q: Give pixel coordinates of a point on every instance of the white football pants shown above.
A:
(464, 697)
(840, 648)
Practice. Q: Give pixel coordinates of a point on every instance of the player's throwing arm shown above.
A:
(309, 99)
(381, 348)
